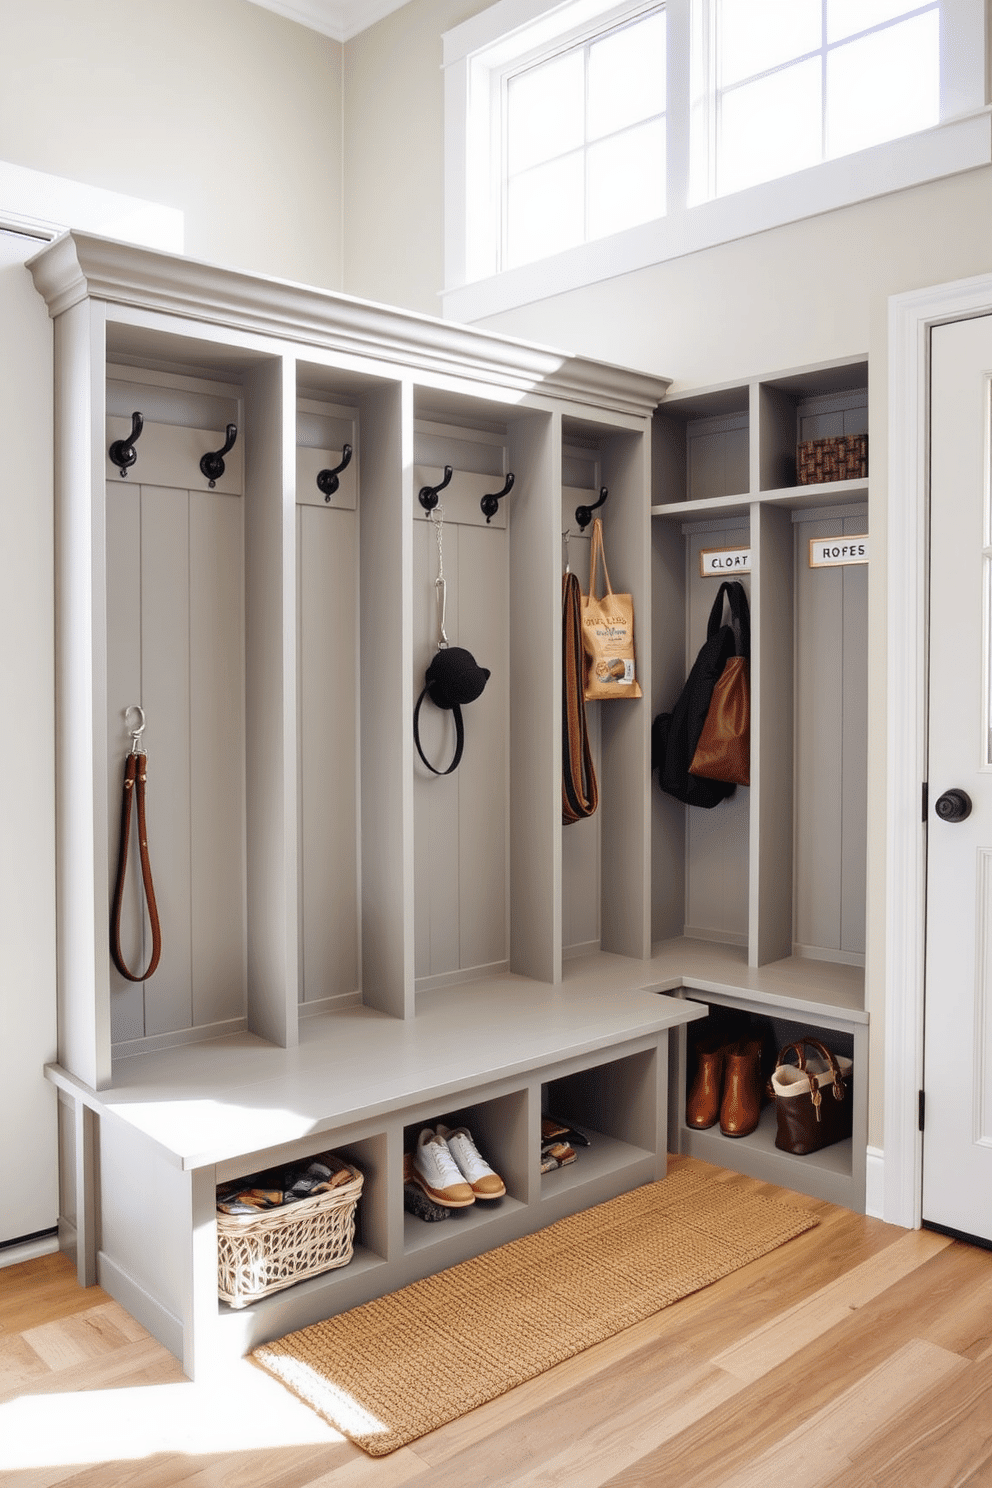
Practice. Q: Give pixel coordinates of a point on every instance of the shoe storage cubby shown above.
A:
(499, 1130)
(614, 1106)
(837, 1172)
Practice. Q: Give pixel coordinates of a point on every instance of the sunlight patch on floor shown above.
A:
(243, 1410)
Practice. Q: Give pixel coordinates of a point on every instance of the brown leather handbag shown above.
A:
(813, 1106)
(723, 751)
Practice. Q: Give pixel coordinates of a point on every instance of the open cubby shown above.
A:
(605, 898)
(702, 445)
(836, 1172)
(813, 404)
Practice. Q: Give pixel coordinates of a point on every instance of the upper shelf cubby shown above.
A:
(702, 447)
(819, 404)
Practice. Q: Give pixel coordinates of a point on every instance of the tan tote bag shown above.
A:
(607, 632)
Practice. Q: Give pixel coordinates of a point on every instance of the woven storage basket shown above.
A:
(842, 457)
(261, 1253)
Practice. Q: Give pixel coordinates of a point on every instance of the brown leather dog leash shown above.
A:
(579, 791)
(135, 777)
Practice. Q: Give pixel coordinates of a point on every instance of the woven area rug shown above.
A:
(396, 1368)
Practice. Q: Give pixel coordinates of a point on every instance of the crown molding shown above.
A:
(339, 19)
(79, 266)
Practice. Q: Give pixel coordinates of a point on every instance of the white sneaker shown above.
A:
(435, 1170)
(473, 1167)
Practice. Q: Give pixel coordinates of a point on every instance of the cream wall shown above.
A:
(812, 291)
(217, 107)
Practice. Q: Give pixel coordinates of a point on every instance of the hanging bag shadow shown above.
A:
(675, 736)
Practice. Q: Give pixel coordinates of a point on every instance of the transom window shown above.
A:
(584, 141)
(589, 138)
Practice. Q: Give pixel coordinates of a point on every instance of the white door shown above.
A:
(957, 1139)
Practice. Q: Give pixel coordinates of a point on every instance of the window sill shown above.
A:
(961, 144)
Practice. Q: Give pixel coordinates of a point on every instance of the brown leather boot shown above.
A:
(740, 1107)
(702, 1107)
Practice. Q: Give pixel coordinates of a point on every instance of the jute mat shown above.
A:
(396, 1368)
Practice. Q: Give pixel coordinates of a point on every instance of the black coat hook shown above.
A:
(327, 480)
(583, 514)
(428, 494)
(122, 451)
(212, 465)
(490, 504)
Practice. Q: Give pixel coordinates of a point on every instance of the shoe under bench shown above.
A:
(150, 1149)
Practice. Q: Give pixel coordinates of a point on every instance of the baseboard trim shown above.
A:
(30, 1249)
(875, 1182)
(143, 1308)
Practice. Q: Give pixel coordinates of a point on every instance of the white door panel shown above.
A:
(957, 1143)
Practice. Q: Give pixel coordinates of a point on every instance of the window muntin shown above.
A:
(793, 83)
(584, 142)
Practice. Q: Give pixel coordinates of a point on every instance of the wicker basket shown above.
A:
(261, 1253)
(842, 457)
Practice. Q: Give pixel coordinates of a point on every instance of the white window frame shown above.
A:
(478, 51)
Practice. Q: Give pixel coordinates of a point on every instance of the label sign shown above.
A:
(719, 562)
(830, 552)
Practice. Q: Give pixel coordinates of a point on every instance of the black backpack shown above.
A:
(674, 735)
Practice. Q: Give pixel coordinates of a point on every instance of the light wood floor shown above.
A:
(858, 1354)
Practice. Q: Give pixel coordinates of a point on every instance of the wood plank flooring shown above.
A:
(858, 1354)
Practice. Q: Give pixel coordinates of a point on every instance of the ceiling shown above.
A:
(340, 19)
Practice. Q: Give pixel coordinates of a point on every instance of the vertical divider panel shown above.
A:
(386, 751)
(83, 864)
(626, 725)
(270, 646)
(535, 697)
(776, 439)
(668, 653)
(772, 691)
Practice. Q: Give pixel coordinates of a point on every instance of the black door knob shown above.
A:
(953, 806)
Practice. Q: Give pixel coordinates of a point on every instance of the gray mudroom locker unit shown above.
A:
(352, 947)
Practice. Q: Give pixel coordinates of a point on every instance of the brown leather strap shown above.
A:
(579, 791)
(135, 776)
(837, 1078)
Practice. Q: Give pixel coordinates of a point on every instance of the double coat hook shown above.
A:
(327, 480)
(212, 465)
(122, 452)
(583, 514)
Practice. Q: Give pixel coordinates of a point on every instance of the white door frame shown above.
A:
(910, 319)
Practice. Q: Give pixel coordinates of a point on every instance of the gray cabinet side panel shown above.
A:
(270, 701)
(535, 716)
(772, 664)
(387, 697)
